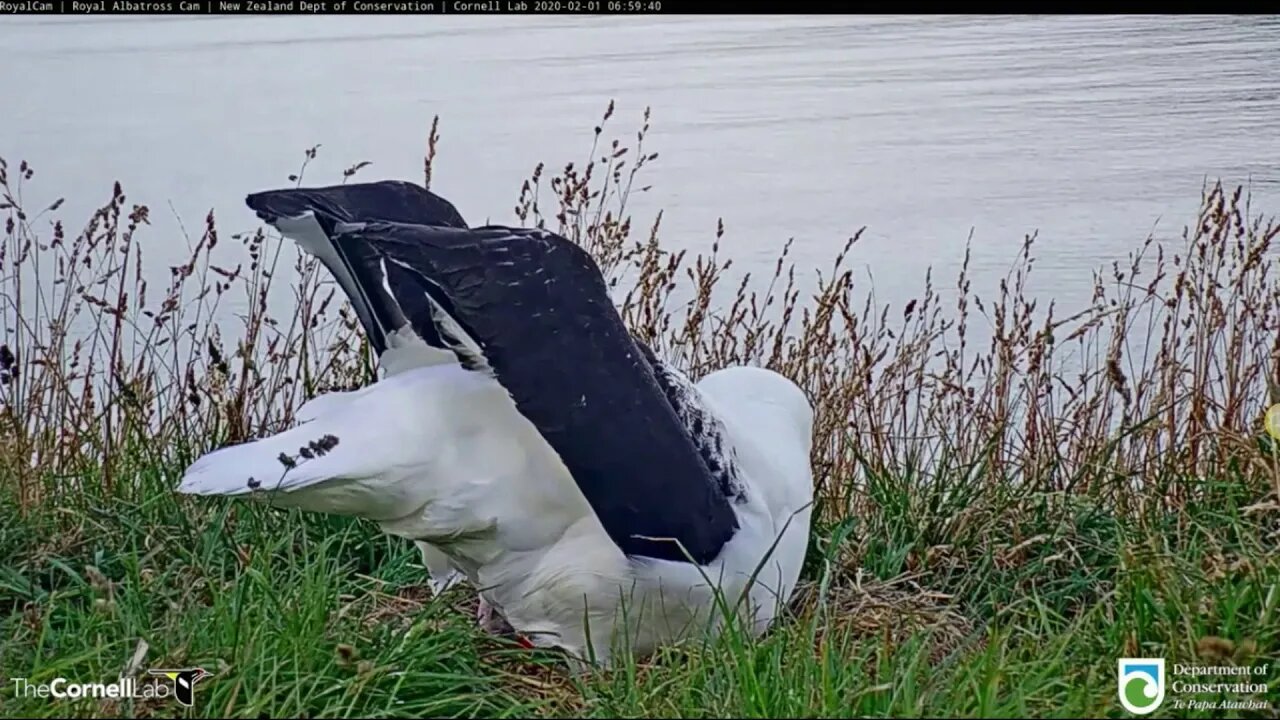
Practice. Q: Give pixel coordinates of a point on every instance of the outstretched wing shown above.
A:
(534, 306)
(309, 215)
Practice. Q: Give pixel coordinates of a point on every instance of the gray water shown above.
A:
(1093, 131)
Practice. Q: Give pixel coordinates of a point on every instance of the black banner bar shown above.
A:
(332, 7)
(529, 7)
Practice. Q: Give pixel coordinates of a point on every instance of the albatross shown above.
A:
(596, 498)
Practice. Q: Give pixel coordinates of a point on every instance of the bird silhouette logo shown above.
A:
(184, 682)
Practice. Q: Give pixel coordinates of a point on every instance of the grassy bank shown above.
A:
(997, 522)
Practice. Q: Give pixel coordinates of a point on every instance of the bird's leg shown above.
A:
(490, 619)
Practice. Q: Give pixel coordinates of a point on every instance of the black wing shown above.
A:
(309, 216)
(538, 309)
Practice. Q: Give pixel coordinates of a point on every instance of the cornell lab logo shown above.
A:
(1141, 684)
(184, 683)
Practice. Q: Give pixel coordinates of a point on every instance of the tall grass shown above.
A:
(1088, 478)
(96, 359)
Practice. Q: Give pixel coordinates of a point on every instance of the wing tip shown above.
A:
(272, 206)
(210, 475)
(203, 484)
(258, 202)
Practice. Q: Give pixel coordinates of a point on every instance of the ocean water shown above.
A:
(932, 132)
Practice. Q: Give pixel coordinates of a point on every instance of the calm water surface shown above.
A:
(1092, 130)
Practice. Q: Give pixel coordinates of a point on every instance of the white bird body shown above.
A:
(443, 455)
(440, 455)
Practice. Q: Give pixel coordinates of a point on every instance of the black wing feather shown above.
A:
(539, 308)
(389, 200)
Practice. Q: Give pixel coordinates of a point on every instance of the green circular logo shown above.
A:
(1140, 692)
(1141, 684)
(1272, 421)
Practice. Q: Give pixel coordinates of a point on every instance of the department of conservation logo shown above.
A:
(1271, 421)
(1141, 684)
(184, 682)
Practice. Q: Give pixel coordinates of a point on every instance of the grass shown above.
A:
(998, 522)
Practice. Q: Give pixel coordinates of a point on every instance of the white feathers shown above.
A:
(409, 444)
(306, 231)
(407, 350)
(322, 404)
(440, 455)
(440, 568)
